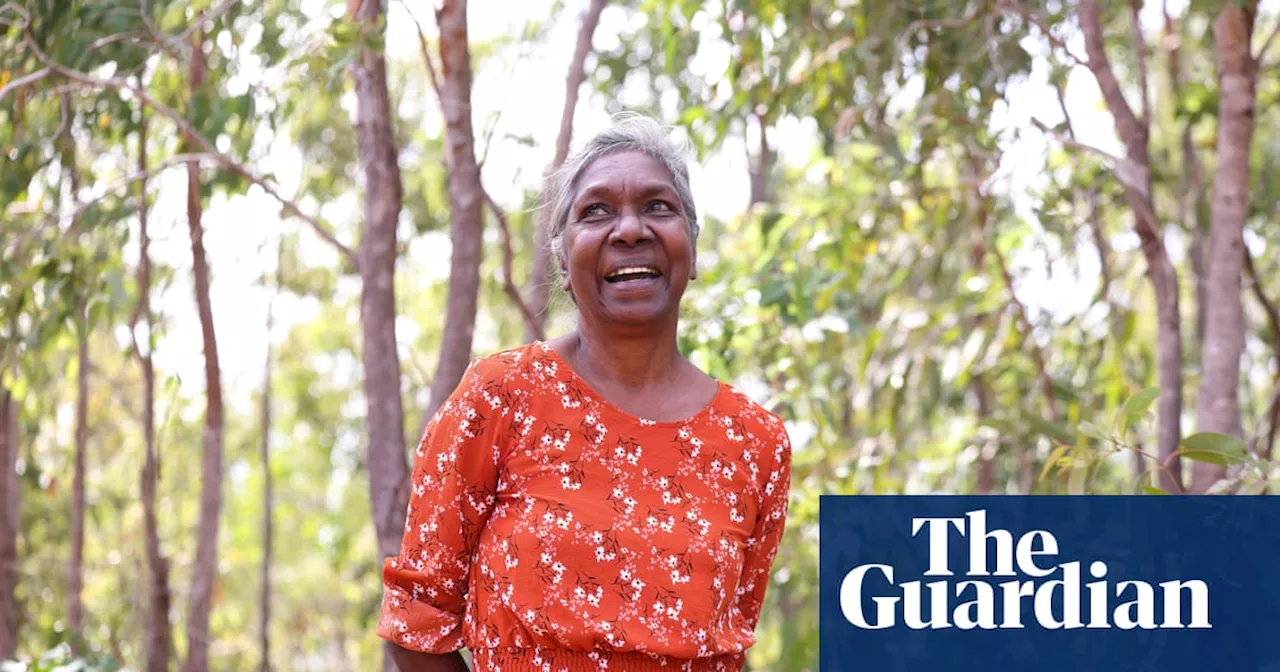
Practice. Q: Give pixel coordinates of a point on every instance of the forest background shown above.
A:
(961, 246)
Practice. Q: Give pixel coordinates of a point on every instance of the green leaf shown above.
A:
(1079, 478)
(1153, 490)
(1137, 406)
(1214, 448)
(1091, 430)
(1054, 456)
(1052, 430)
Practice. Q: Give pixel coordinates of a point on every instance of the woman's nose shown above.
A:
(630, 228)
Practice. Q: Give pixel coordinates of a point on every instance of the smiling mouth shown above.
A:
(633, 274)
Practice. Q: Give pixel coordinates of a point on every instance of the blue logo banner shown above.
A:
(1049, 583)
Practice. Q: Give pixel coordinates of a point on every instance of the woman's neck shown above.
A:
(633, 362)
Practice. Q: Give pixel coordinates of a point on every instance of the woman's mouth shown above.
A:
(632, 275)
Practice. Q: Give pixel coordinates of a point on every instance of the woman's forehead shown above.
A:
(625, 169)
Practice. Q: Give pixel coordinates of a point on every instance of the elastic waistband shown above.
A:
(562, 660)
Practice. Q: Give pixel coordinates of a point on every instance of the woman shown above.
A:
(595, 501)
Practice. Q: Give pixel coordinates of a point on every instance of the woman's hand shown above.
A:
(416, 661)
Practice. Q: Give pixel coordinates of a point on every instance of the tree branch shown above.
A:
(426, 53)
(507, 283)
(166, 43)
(205, 16)
(824, 57)
(101, 42)
(1266, 44)
(1046, 382)
(1091, 197)
(574, 79)
(1273, 314)
(1066, 115)
(17, 9)
(189, 131)
(1273, 321)
(919, 25)
(1132, 131)
(1273, 415)
(1054, 40)
(1070, 139)
(1132, 175)
(24, 80)
(1140, 56)
(176, 159)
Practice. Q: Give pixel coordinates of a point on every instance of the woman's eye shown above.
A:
(660, 206)
(594, 210)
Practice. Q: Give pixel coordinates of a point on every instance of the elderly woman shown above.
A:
(595, 501)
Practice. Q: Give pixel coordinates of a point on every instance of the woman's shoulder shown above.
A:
(736, 405)
(505, 365)
(530, 368)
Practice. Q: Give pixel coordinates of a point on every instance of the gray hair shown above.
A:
(629, 132)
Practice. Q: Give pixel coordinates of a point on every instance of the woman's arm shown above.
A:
(454, 490)
(762, 546)
(414, 661)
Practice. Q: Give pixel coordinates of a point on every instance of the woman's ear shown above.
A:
(564, 279)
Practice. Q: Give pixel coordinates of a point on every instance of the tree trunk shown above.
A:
(75, 564)
(1189, 200)
(204, 570)
(1168, 365)
(987, 458)
(1199, 273)
(387, 464)
(541, 289)
(158, 646)
(8, 524)
(980, 207)
(75, 570)
(759, 172)
(388, 468)
(466, 202)
(264, 613)
(1134, 172)
(1218, 401)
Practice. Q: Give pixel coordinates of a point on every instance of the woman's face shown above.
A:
(628, 255)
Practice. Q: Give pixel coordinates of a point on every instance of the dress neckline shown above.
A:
(722, 391)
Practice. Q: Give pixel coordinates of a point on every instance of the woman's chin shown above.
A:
(653, 313)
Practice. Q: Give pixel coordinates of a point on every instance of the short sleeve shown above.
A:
(762, 545)
(454, 488)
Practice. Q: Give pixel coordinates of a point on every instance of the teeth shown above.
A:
(633, 269)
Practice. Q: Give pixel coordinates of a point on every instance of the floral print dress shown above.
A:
(549, 530)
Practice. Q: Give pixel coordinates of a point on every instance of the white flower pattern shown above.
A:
(549, 530)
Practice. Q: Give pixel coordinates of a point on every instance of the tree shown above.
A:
(158, 638)
(1134, 173)
(75, 568)
(466, 204)
(388, 469)
(9, 498)
(205, 571)
(379, 156)
(1218, 407)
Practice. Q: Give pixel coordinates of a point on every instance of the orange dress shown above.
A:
(549, 530)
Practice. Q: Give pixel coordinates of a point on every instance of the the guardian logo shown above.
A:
(983, 602)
